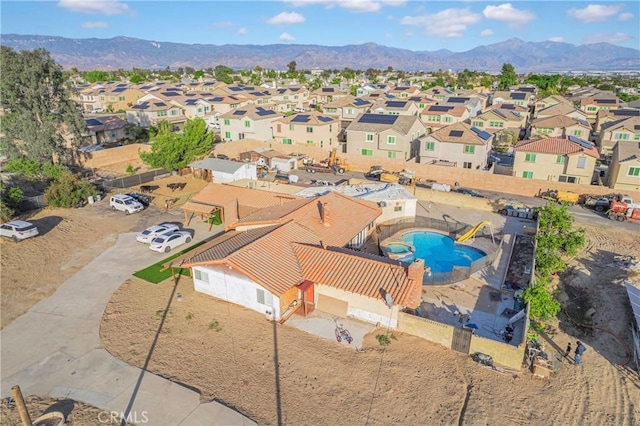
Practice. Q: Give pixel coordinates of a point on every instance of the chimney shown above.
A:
(415, 271)
(326, 214)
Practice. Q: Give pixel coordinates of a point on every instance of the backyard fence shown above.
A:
(129, 181)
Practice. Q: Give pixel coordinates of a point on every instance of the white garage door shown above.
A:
(332, 306)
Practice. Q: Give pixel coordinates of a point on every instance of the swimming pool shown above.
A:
(440, 252)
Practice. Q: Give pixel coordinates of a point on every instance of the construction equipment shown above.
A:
(625, 209)
(333, 164)
(562, 197)
(405, 177)
(598, 203)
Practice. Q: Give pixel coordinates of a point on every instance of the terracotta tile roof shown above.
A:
(456, 111)
(557, 146)
(556, 122)
(252, 111)
(273, 213)
(221, 195)
(350, 271)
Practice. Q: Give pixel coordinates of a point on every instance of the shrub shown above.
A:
(543, 305)
(30, 169)
(69, 191)
(130, 170)
(383, 339)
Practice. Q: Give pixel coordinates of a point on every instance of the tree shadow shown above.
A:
(65, 406)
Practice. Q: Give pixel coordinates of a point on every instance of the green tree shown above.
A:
(9, 201)
(172, 151)
(37, 105)
(486, 81)
(198, 75)
(508, 77)
(223, 74)
(291, 66)
(97, 75)
(68, 191)
(505, 140)
(543, 305)
(136, 79)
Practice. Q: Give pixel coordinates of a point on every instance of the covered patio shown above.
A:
(212, 214)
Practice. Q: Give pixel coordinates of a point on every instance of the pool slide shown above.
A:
(473, 231)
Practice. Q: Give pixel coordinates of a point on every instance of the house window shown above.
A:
(309, 129)
(112, 98)
(227, 135)
(264, 298)
(247, 124)
(496, 123)
(286, 141)
(309, 142)
(227, 121)
(397, 208)
(369, 137)
(392, 154)
(577, 133)
(466, 165)
(201, 275)
(121, 98)
(174, 112)
(162, 113)
(527, 175)
(350, 111)
(114, 134)
(367, 152)
(633, 171)
(636, 137)
(530, 158)
(430, 146)
(200, 110)
(434, 118)
(391, 140)
(291, 127)
(591, 108)
(622, 136)
(567, 179)
(561, 159)
(477, 123)
(332, 109)
(469, 149)
(447, 119)
(581, 162)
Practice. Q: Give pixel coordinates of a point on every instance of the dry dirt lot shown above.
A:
(229, 353)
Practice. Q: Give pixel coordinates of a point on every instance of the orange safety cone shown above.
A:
(166, 204)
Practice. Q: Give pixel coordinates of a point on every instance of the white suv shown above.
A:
(125, 203)
(18, 230)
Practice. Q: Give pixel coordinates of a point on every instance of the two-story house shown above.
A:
(591, 105)
(623, 130)
(385, 136)
(370, 88)
(458, 145)
(223, 104)
(567, 110)
(346, 109)
(436, 117)
(559, 126)
(608, 115)
(498, 119)
(248, 122)
(439, 93)
(405, 92)
(567, 159)
(518, 98)
(312, 129)
(150, 111)
(473, 104)
(543, 103)
(623, 173)
(324, 95)
(395, 107)
(120, 97)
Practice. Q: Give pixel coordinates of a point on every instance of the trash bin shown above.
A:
(90, 199)
(98, 197)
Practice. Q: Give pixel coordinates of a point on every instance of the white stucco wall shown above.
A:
(364, 308)
(389, 213)
(247, 171)
(233, 287)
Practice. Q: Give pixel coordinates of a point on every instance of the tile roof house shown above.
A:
(567, 110)
(498, 119)
(559, 126)
(624, 129)
(310, 128)
(120, 96)
(150, 111)
(248, 122)
(104, 129)
(592, 104)
(473, 104)
(457, 145)
(346, 109)
(404, 92)
(623, 173)
(370, 88)
(524, 99)
(543, 103)
(385, 136)
(436, 117)
(394, 107)
(326, 94)
(438, 93)
(557, 159)
(308, 268)
(608, 115)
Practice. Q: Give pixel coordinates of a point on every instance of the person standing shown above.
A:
(580, 348)
(568, 351)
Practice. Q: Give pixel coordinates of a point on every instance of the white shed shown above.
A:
(224, 171)
(284, 164)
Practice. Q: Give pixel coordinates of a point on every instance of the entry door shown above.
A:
(308, 295)
(461, 340)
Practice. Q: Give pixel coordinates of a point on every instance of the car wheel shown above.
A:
(188, 240)
(15, 239)
(113, 207)
(167, 249)
(127, 212)
(599, 208)
(341, 170)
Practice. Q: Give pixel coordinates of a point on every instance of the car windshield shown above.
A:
(129, 201)
(146, 232)
(26, 228)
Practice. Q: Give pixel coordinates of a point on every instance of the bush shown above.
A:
(69, 191)
(383, 339)
(130, 170)
(30, 169)
(543, 305)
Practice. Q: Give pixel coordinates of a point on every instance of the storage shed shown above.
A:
(223, 171)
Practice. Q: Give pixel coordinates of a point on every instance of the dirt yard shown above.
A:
(234, 355)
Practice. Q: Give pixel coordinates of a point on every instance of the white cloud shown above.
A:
(625, 16)
(286, 37)
(285, 18)
(103, 7)
(243, 31)
(363, 6)
(223, 24)
(612, 38)
(447, 23)
(557, 39)
(94, 25)
(388, 35)
(593, 13)
(486, 33)
(507, 13)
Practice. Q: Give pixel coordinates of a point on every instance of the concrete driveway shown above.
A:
(54, 349)
(324, 325)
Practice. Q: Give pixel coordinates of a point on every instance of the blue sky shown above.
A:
(416, 25)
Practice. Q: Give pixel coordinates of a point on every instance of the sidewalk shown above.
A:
(54, 349)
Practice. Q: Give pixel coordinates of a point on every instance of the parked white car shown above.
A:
(18, 230)
(125, 203)
(154, 231)
(170, 240)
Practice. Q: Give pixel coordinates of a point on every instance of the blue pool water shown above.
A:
(440, 252)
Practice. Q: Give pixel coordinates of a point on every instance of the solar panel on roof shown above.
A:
(378, 119)
(256, 93)
(93, 122)
(456, 133)
(119, 90)
(636, 127)
(481, 133)
(518, 96)
(239, 112)
(507, 106)
(235, 89)
(324, 119)
(606, 101)
(169, 94)
(300, 118)
(527, 89)
(440, 108)
(583, 122)
(457, 100)
(328, 89)
(191, 101)
(629, 112)
(172, 89)
(580, 142)
(402, 88)
(264, 112)
(415, 98)
(395, 104)
(360, 102)
(159, 104)
(235, 98)
(217, 99)
(499, 114)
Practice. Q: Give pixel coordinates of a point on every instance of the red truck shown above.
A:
(625, 209)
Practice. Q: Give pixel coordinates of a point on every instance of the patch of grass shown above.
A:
(153, 274)
(383, 339)
(160, 312)
(215, 325)
(189, 316)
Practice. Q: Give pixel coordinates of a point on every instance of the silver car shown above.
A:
(153, 231)
(18, 230)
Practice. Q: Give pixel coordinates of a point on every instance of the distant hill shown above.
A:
(126, 52)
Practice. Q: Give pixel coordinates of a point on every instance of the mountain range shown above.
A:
(127, 52)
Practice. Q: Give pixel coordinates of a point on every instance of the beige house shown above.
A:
(223, 104)
(436, 117)
(549, 101)
(248, 122)
(119, 97)
(499, 119)
(404, 92)
(570, 160)
(559, 126)
(328, 94)
(567, 110)
(150, 111)
(88, 97)
(625, 129)
(312, 129)
(624, 171)
(457, 145)
(346, 109)
(395, 107)
(518, 98)
(438, 93)
(385, 136)
(422, 101)
(608, 115)
(591, 105)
